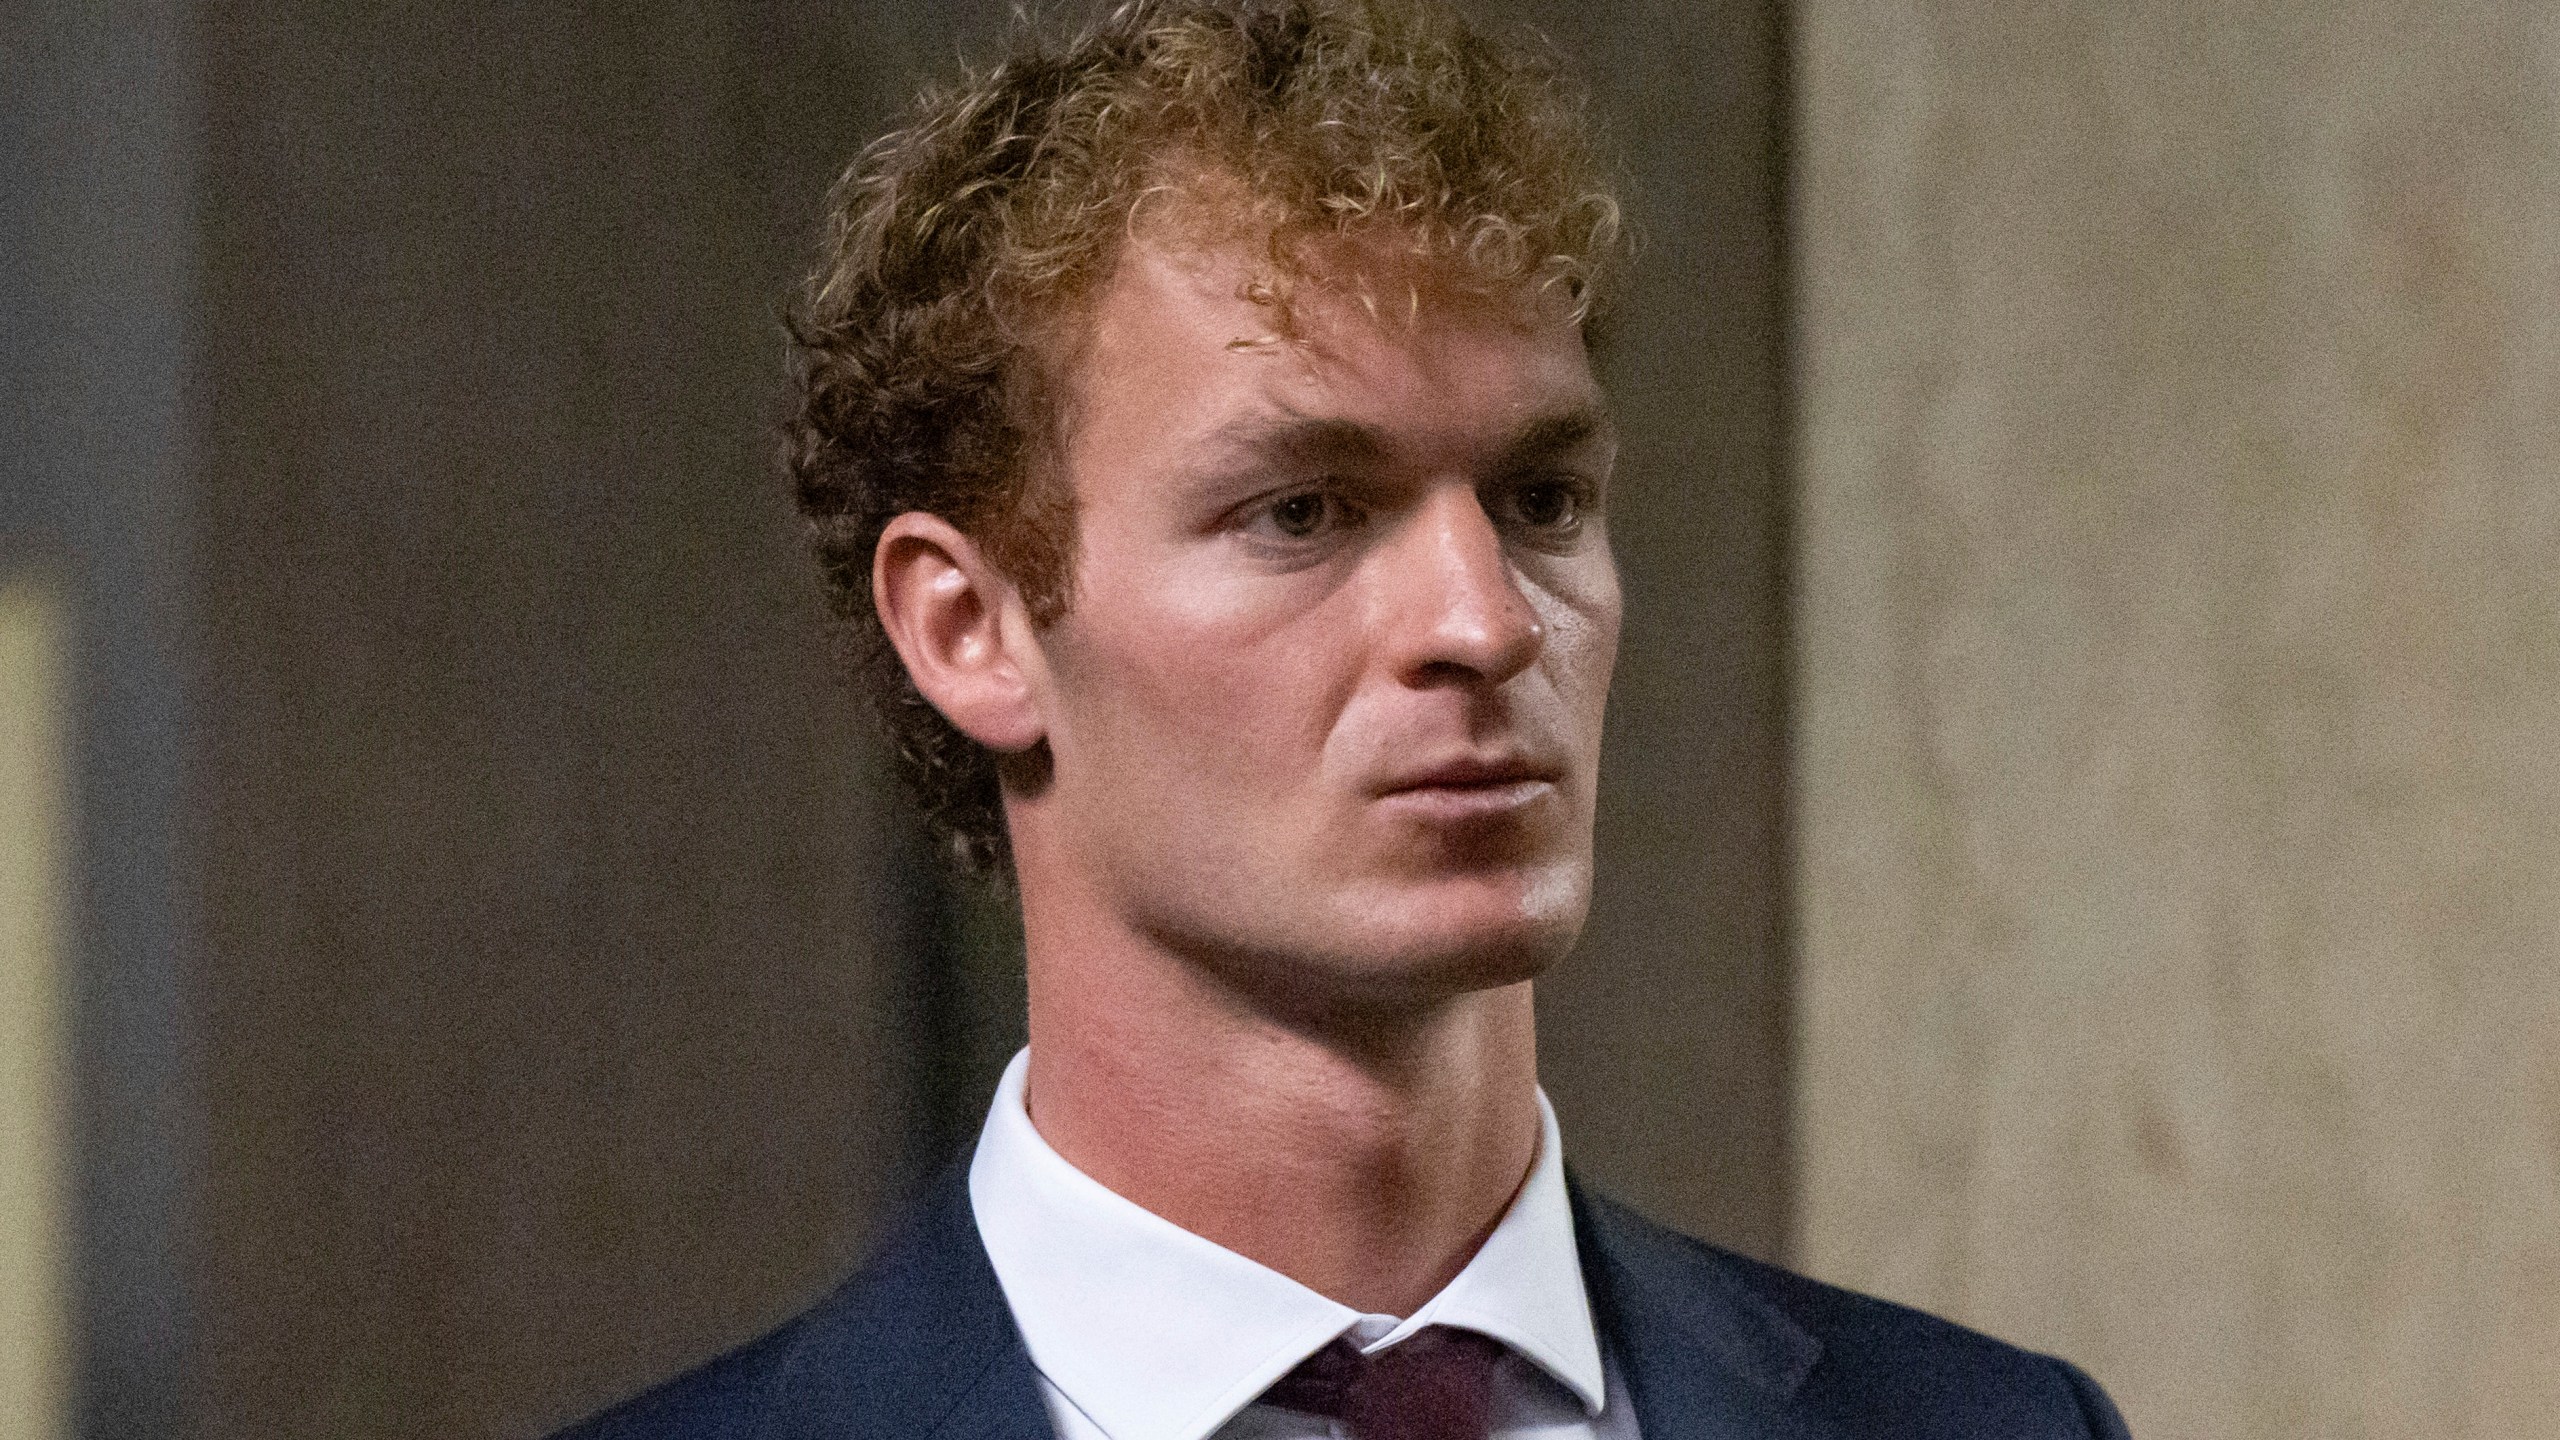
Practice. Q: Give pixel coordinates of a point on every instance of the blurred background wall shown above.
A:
(505, 974)
(550, 944)
(2077, 831)
(2179, 692)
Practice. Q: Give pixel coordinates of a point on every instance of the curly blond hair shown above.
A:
(962, 245)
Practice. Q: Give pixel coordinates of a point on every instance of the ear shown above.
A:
(961, 629)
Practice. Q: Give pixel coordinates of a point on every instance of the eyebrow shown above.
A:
(1312, 437)
(1557, 432)
(1300, 436)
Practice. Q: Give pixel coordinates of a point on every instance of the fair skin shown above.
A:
(1311, 755)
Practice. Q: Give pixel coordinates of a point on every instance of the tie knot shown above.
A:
(1435, 1385)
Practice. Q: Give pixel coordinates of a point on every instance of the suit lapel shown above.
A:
(919, 1344)
(922, 1344)
(1704, 1357)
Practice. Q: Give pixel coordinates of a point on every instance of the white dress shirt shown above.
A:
(1142, 1330)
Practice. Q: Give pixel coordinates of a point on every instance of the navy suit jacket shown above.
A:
(919, 1345)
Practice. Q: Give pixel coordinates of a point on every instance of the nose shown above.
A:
(1463, 607)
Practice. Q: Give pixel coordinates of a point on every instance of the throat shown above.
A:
(1370, 1174)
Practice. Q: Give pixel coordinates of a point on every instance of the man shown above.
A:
(1198, 423)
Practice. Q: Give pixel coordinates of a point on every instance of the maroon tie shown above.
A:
(1434, 1385)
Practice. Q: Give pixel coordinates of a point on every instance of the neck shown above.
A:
(1365, 1154)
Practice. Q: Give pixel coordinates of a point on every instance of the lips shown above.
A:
(1467, 791)
(1474, 773)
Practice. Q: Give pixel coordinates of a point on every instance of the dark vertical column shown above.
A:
(559, 971)
(959, 997)
(97, 185)
(1665, 1039)
(555, 976)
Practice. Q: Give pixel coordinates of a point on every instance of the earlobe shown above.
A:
(945, 609)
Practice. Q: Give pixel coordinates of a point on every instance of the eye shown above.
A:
(1552, 503)
(1301, 515)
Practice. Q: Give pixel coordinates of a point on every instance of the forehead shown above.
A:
(1187, 344)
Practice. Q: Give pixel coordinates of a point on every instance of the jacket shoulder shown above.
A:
(920, 1336)
(1867, 1366)
(1880, 1359)
(718, 1400)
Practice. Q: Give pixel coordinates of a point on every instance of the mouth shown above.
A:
(1471, 788)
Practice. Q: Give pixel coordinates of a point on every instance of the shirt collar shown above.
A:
(1157, 1334)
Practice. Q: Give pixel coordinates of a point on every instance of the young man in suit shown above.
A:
(1198, 421)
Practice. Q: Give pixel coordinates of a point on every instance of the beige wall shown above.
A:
(2180, 671)
(33, 1174)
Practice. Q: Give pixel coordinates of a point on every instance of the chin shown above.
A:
(1481, 932)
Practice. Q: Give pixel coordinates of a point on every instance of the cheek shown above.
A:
(1182, 687)
(1582, 642)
